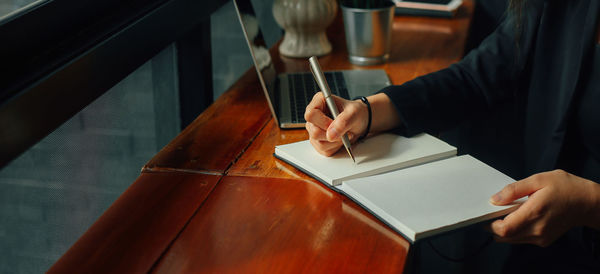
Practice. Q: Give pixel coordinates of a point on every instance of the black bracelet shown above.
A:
(364, 100)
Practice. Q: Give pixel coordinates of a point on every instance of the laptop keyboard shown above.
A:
(303, 87)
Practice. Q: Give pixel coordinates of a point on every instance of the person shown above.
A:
(544, 58)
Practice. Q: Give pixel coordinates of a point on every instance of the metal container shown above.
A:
(368, 34)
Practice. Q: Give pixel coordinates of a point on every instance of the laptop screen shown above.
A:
(258, 48)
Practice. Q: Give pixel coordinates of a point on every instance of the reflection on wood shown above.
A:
(266, 225)
(220, 134)
(258, 160)
(132, 234)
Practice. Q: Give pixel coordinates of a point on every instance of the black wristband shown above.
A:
(364, 100)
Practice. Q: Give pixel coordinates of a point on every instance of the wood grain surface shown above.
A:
(137, 228)
(220, 134)
(268, 225)
(258, 159)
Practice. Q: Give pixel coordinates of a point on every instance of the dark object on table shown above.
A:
(435, 8)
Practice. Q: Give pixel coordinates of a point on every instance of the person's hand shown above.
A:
(557, 202)
(325, 133)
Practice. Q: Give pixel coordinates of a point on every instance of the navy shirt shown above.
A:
(581, 151)
(549, 73)
(539, 72)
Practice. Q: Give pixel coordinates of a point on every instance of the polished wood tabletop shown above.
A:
(249, 224)
(216, 200)
(139, 226)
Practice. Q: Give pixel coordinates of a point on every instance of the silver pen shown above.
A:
(315, 68)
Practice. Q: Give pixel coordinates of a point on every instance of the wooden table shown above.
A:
(216, 200)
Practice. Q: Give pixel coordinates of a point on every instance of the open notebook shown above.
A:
(375, 155)
(415, 185)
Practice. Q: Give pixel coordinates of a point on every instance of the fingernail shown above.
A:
(496, 198)
(332, 134)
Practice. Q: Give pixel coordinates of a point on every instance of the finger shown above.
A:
(340, 125)
(339, 102)
(330, 146)
(316, 112)
(514, 223)
(330, 152)
(315, 132)
(515, 191)
(317, 102)
(526, 236)
(326, 148)
(317, 145)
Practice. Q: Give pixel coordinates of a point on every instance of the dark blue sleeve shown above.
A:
(486, 77)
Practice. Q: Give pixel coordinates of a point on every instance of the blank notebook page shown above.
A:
(432, 198)
(377, 154)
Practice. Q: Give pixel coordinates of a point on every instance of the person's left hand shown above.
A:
(557, 202)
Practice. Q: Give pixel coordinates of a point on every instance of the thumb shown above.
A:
(514, 191)
(339, 126)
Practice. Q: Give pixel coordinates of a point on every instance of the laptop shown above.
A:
(288, 94)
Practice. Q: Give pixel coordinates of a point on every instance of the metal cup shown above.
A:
(368, 34)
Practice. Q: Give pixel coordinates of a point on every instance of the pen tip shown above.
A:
(350, 153)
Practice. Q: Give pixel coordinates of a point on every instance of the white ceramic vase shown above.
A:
(304, 22)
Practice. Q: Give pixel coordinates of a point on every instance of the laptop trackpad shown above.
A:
(365, 82)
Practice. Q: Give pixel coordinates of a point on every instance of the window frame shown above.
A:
(54, 68)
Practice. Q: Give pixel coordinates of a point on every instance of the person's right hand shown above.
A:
(324, 133)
